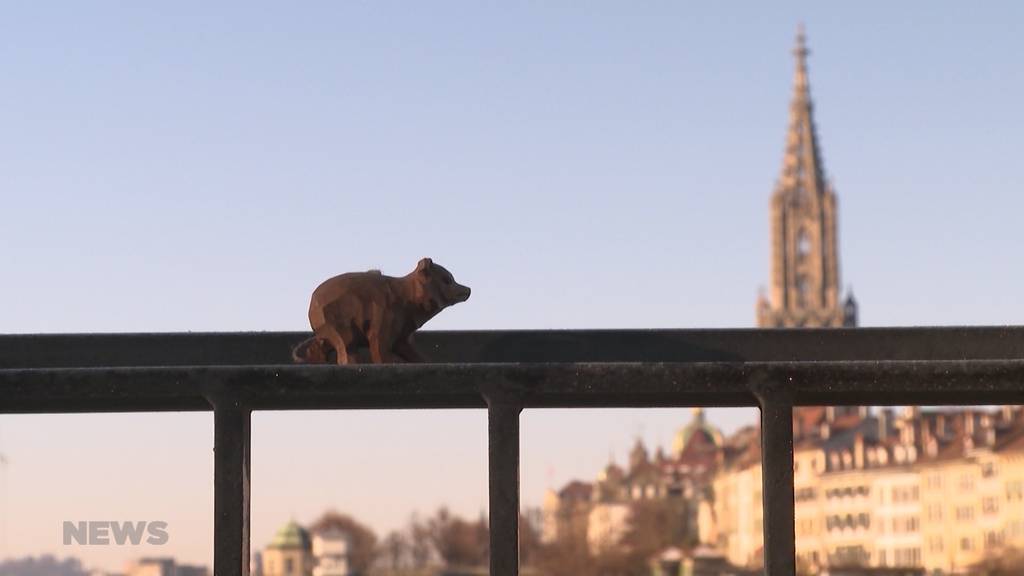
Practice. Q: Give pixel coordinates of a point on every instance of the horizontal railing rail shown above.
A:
(504, 372)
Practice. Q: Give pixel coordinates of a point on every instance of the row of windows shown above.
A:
(650, 491)
(899, 557)
(908, 556)
(904, 524)
(847, 492)
(905, 493)
(804, 494)
(849, 555)
(989, 507)
(966, 481)
(849, 521)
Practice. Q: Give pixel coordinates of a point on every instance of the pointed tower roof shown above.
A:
(803, 171)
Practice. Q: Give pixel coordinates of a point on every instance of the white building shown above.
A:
(331, 553)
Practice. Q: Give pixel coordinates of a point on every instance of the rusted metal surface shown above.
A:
(231, 489)
(504, 404)
(777, 475)
(561, 385)
(504, 372)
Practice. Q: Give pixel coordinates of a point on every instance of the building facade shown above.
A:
(597, 514)
(941, 490)
(289, 553)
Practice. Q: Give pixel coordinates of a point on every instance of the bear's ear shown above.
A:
(424, 266)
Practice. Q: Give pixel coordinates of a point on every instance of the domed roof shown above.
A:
(697, 426)
(291, 535)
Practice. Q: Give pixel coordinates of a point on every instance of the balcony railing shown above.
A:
(504, 372)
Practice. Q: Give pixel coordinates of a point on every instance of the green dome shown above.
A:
(696, 425)
(291, 535)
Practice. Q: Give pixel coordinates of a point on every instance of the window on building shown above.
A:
(1016, 528)
(1015, 490)
(989, 506)
(965, 513)
(905, 524)
(988, 470)
(966, 544)
(966, 482)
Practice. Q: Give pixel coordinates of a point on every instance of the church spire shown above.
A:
(803, 172)
(805, 260)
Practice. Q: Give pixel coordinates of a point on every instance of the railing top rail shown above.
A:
(539, 385)
(691, 345)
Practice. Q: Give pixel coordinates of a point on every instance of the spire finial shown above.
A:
(698, 414)
(800, 51)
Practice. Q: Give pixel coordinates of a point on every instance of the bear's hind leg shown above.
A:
(340, 346)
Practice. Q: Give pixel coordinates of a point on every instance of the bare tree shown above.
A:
(1006, 562)
(419, 543)
(457, 541)
(394, 550)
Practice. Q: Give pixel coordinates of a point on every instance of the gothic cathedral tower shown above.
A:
(805, 262)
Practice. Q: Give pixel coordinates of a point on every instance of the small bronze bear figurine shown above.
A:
(377, 311)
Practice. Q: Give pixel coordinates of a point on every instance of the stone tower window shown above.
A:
(801, 291)
(803, 245)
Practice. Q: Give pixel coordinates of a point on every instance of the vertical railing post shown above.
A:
(777, 478)
(503, 409)
(232, 425)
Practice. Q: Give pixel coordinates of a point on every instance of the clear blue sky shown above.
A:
(197, 166)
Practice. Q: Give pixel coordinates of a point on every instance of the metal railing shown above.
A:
(504, 372)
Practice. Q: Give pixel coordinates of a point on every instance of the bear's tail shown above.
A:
(312, 350)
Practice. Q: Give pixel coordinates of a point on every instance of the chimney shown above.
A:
(884, 416)
(940, 425)
(907, 435)
(968, 423)
(858, 451)
(1006, 412)
(926, 438)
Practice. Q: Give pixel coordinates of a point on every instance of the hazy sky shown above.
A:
(198, 166)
